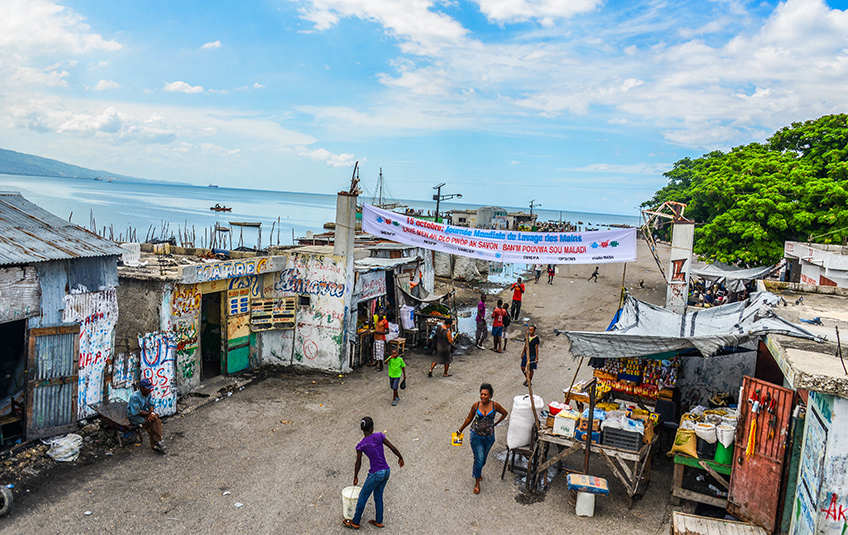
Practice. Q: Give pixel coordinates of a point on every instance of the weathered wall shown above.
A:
(320, 335)
(701, 377)
(182, 306)
(157, 362)
(139, 304)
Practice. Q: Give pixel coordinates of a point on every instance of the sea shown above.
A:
(160, 210)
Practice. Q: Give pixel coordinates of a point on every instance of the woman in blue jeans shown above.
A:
(482, 420)
(378, 472)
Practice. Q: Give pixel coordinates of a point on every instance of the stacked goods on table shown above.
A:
(707, 434)
(649, 378)
(613, 424)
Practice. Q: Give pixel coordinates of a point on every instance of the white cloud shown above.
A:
(546, 12)
(333, 160)
(218, 150)
(213, 44)
(106, 84)
(182, 87)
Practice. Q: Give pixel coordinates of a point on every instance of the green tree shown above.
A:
(749, 201)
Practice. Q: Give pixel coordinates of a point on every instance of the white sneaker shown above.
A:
(480, 347)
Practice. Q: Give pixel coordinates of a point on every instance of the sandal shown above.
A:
(430, 373)
(447, 375)
(350, 524)
(375, 523)
(476, 490)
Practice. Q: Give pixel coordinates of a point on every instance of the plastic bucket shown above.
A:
(705, 449)
(723, 455)
(585, 504)
(350, 495)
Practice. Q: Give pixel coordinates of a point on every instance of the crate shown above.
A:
(584, 424)
(623, 440)
(581, 437)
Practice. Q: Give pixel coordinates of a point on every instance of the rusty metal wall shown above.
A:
(94, 274)
(53, 278)
(53, 405)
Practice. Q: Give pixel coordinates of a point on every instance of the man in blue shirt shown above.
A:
(140, 411)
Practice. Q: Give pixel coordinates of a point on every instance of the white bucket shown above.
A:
(585, 504)
(350, 495)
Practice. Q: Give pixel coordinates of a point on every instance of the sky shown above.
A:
(577, 105)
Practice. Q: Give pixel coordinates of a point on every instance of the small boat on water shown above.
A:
(213, 185)
(245, 223)
(220, 208)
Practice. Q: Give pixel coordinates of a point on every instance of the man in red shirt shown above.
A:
(517, 292)
(497, 325)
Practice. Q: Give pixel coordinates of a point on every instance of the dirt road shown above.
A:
(284, 448)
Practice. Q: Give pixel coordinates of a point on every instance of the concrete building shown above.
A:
(491, 217)
(816, 264)
(58, 312)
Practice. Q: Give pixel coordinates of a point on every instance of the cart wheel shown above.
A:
(109, 432)
(5, 500)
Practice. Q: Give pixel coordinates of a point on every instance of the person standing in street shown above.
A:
(594, 275)
(444, 339)
(378, 472)
(517, 292)
(537, 273)
(551, 273)
(380, 330)
(482, 328)
(497, 325)
(530, 355)
(481, 417)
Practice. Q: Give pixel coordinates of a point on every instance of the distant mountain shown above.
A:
(16, 163)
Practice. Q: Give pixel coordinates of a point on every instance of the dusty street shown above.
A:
(289, 476)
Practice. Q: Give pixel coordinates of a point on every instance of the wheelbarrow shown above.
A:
(114, 422)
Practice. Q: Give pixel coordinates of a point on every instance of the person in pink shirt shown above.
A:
(497, 325)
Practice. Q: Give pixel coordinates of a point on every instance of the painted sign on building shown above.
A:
(97, 314)
(369, 285)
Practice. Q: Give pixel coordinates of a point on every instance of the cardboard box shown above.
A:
(648, 422)
(581, 436)
(564, 426)
(549, 422)
(584, 425)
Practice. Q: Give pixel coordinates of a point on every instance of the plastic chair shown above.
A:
(667, 411)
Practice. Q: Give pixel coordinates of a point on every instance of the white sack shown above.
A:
(521, 421)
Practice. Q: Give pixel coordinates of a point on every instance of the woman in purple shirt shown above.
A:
(378, 472)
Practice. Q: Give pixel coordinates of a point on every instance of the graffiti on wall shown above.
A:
(158, 363)
(97, 314)
(185, 345)
(185, 300)
(232, 268)
(292, 281)
(124, 369)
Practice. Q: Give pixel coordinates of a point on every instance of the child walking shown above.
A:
(397, 369)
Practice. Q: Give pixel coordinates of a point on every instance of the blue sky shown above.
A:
(578, 104)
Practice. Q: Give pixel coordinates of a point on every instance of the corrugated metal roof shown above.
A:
(29, 234)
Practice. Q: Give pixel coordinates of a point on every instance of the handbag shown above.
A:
(403, 385)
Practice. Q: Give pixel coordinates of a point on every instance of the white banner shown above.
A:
(595, 247)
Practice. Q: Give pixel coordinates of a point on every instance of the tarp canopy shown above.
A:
(733, 278)
(645, 329)
(431, 298)
(372, 263)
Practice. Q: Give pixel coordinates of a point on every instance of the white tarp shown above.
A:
(646, 329)
(597, 247)
(733, 278)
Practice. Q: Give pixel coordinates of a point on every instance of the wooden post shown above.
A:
(592, 385)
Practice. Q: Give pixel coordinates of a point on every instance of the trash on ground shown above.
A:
(64, 449)
(238, 504)
(87, 513)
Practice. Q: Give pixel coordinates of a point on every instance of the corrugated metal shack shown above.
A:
(58, 312)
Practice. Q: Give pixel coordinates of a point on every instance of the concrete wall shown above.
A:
(139, 306)
(320, 337)
(821, 498)
(700, 377)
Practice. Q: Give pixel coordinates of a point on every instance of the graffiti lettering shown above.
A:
(251, 281)
(232, 268)
(677, 273)
(185, 300)
(834, 511)
(291, 281)
(158, 361)
(315, 263)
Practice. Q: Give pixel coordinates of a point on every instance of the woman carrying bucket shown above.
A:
(378, 472)
(482, 420)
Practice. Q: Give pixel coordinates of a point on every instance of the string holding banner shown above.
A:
(595, 247)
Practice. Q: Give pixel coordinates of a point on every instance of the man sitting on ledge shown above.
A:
(140, 411)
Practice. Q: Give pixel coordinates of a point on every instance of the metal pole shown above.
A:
(591, 418)
(438, 200)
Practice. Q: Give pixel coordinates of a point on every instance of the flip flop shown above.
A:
(430, 373)
(447, 375)
(350, 524)
(476, 490)
(375, 523)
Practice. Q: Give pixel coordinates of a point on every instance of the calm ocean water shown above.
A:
(140, 206)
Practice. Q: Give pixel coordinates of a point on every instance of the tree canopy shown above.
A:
(750, 200)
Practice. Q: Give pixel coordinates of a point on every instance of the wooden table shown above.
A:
(714, 469)
(683, 524)
(632, 468)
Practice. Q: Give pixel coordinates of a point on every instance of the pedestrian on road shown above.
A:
(594, 275)
(551, 273)
(481, 417)
(531, 350)
(140, 411)
(497, 325)
(517, 292)
(397, 369)
(537, 273)
(482, 328)
(378, 472)
(444, 339)
(380, 330)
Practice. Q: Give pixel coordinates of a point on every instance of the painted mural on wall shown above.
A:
(124, 369)
(97, 314)
(158, 363)
(184, 325)
(319, 333)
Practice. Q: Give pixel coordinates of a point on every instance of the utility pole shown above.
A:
(438, 197)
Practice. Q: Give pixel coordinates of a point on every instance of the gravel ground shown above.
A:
(284, 448)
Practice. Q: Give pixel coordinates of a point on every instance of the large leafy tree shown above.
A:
(748, 201)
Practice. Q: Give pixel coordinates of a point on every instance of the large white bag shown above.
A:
(407, 318)
(520, 431)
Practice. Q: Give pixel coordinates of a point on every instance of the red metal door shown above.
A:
(757, 475)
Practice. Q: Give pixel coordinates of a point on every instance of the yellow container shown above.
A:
(456, 439)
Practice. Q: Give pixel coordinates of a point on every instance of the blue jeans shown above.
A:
(480, 445)
(375, 483)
